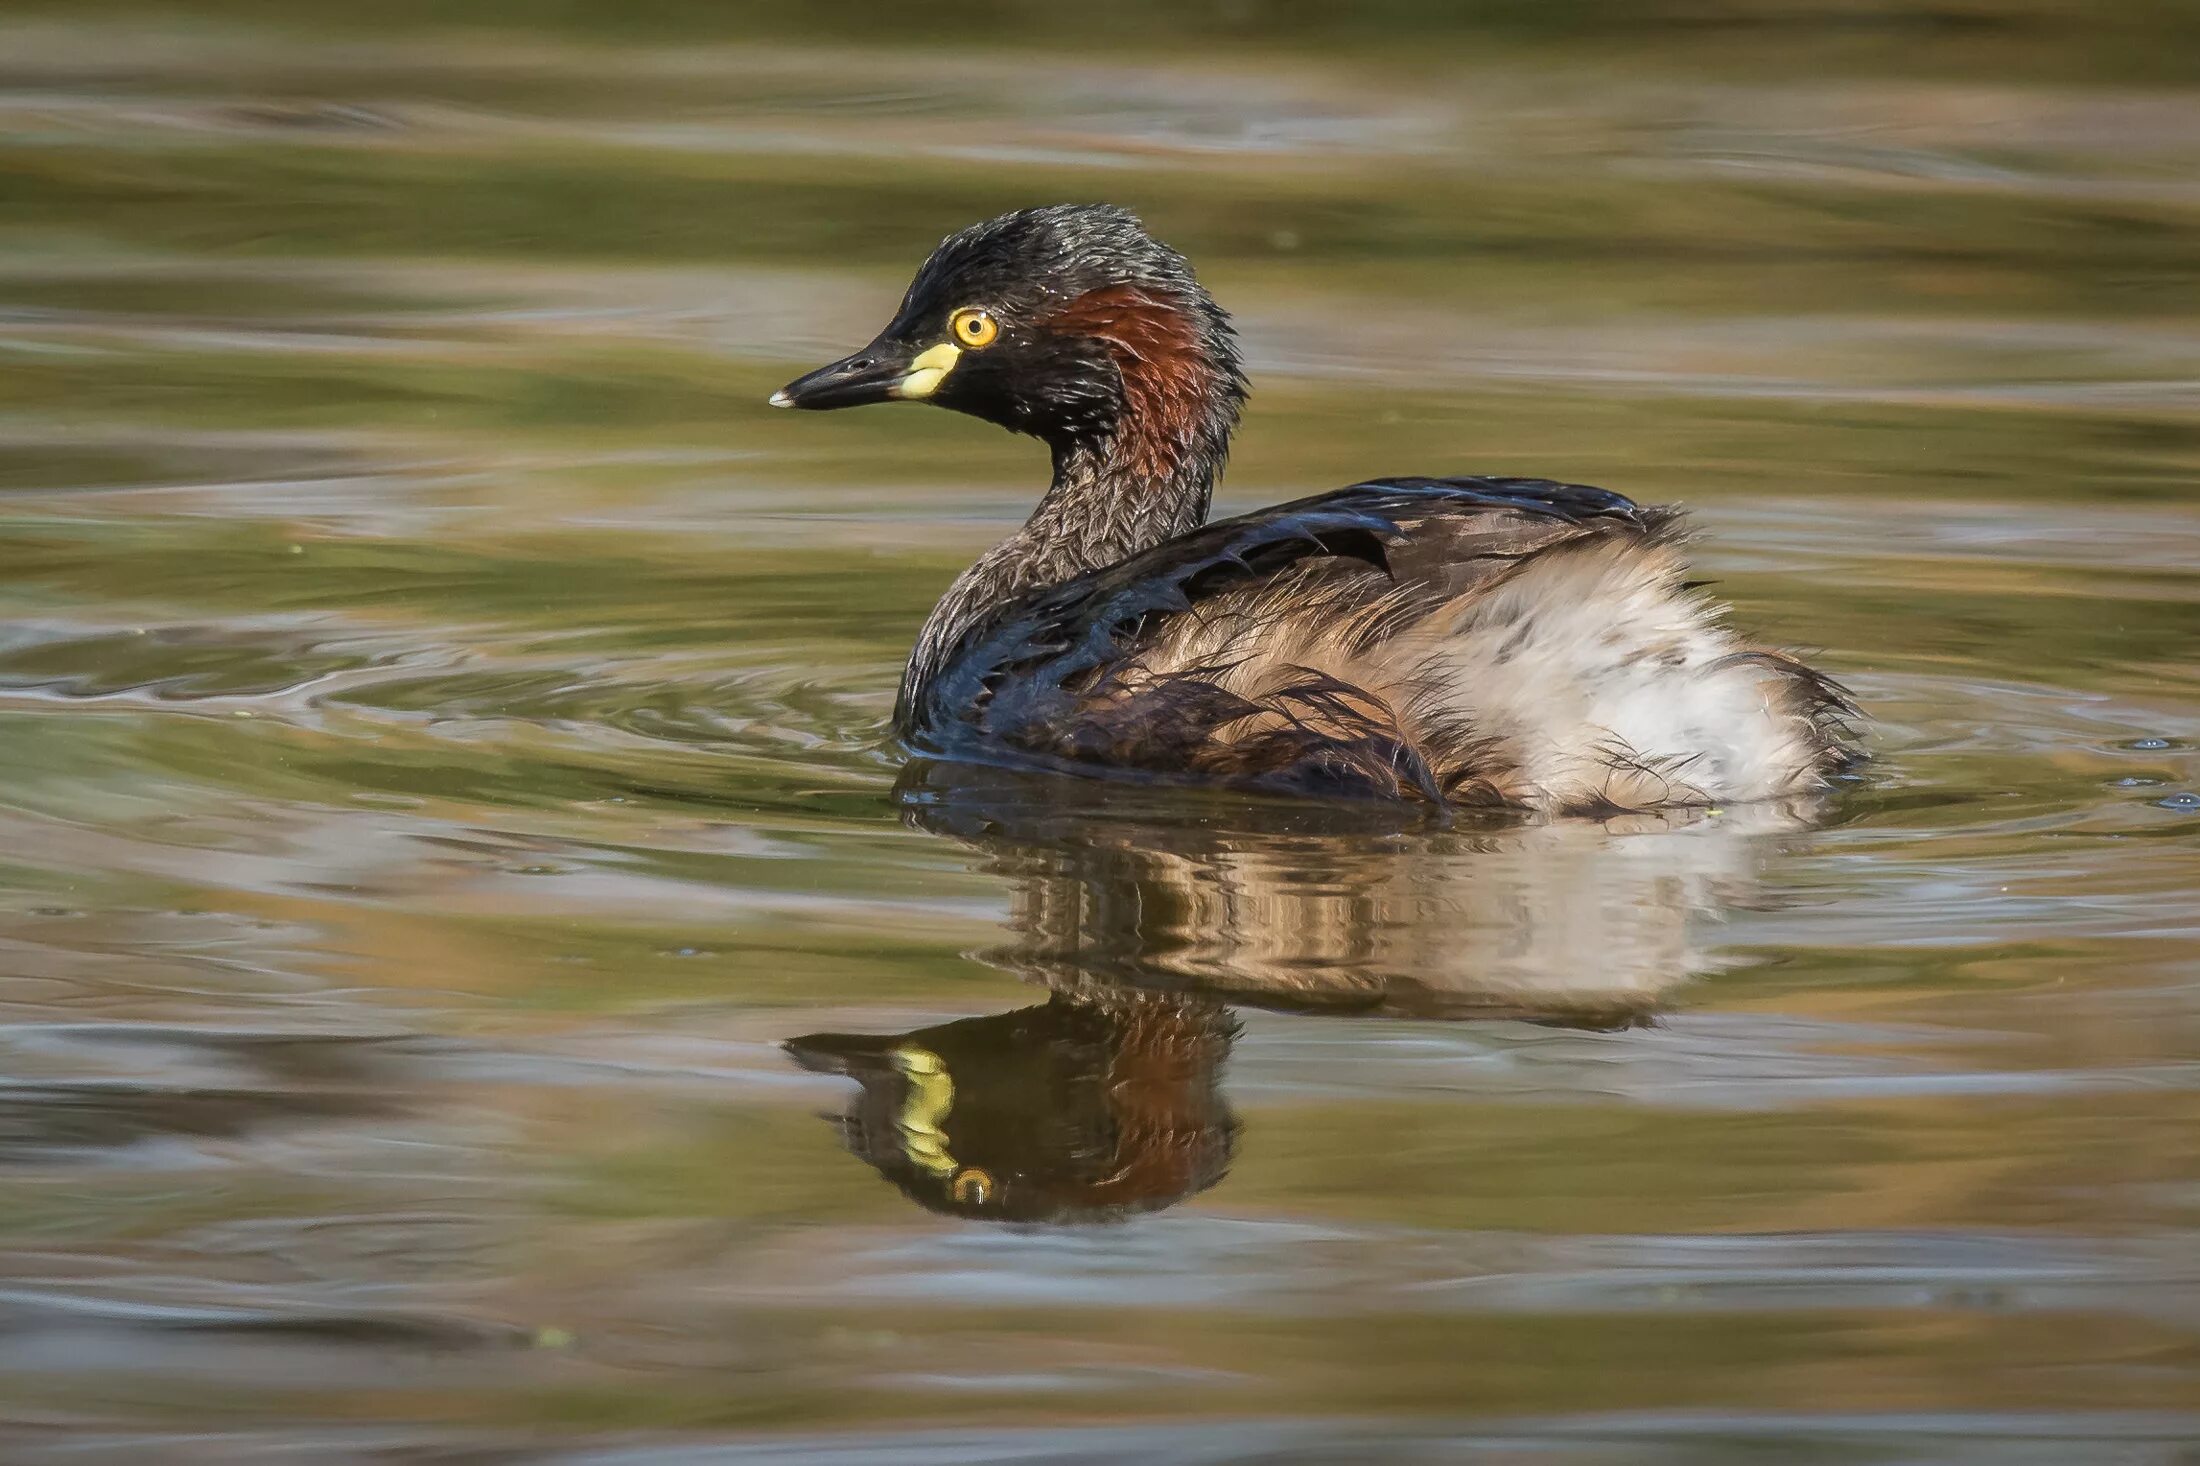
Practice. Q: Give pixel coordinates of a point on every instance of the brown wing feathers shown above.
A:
(1220, 655)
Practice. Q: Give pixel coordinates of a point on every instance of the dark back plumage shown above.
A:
(1042, 680)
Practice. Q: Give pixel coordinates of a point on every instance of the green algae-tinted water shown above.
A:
(442, 754)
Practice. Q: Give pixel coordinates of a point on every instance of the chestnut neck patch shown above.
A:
(1170, 380)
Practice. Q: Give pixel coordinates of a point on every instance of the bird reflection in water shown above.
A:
(1082, 1108)
(1147, 925)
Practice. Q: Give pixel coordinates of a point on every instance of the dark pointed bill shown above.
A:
(880, 372)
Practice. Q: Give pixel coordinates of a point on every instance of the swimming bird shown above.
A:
(1468, 641)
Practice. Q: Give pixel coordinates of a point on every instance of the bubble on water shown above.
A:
(2138, 781)
(2186, 802)
(2152, 745)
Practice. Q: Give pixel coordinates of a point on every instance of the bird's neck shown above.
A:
(1107, 503)
(1133, 474)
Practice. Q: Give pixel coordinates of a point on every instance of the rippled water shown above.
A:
(470, 987)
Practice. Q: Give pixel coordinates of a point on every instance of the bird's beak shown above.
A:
(884, 371)
(857, 1055)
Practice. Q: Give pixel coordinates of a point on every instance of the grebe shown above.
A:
(1505, 642)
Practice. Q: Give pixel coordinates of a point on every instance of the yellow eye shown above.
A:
(973, 327)
(973, 1187)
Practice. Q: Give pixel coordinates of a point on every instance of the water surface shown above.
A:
(475, 984)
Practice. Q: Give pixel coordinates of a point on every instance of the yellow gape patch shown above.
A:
(928, 371)
(931, 1096)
